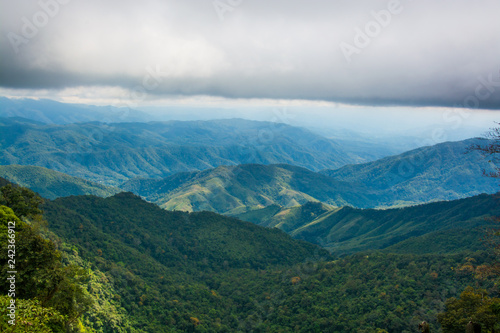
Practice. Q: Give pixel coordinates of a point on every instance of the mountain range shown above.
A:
(52, 184)
(444, 227)
(445, 171)
(236, 189)
(113, 153)
(153, 270)
(52, 112)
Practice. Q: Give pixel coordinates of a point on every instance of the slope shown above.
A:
(287, 219)
(4, 182)
(51, 184)
(449, 225)
(164, 265)
(167, 273)
(206, 238)
(237, 189)
(142, 292)
(114, 153)
(441, 172)
(444, 171)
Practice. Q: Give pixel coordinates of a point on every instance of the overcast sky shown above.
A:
(365, 52)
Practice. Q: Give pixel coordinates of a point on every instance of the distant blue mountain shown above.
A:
(116, 152)
(52, 112)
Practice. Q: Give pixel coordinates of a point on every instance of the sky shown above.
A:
(398, 56)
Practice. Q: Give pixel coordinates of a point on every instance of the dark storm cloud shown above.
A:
(441, 53)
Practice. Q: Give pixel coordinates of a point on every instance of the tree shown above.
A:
(473, 305)
(41, 275)
(23, 201)
(491, 150)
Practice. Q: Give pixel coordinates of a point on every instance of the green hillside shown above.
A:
(113, 153)
(180, 272)
(167, 267)
(287, 219)
(444, 171)
(150, 270)
(450, 225)
(4, 182)
(51, 184)
(237, 189)
(206, 238)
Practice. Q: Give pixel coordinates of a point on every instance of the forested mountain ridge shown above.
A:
(51, 184)
(444, 227)
(174, 273)
(444, 171)
(150, 270)
(53, 112)
(206, 238)
(237, 189)
(116, 152)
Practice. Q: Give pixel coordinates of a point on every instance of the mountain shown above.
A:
(52, 112)
(160, 271)
(113, 153)
(442, 172)
(438, 227)
(287, 219)
(445, 171)
(206, 238)
(138, 268)
(237, 189)
(51, 184)
(164, 268)
(4, 182)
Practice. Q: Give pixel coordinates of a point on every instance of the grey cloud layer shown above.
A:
(426, 53)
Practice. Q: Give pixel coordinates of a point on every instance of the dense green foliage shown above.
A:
(52, 292)
(150, 270)
(350, 230)
(202, 272)
(31, 317)
(23, 201)
(210, 241)
(4, 182)
(439, 227)
(114, 153)
(474, 306)
(51, 184)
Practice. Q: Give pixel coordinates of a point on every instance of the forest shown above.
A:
(120, 264)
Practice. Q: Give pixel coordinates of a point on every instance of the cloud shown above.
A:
(415, 53)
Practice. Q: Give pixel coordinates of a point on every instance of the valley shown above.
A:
(204, 226)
